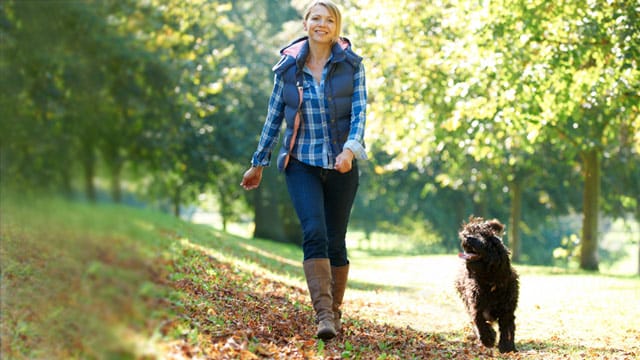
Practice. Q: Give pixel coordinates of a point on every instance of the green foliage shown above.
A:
(484, 108)
(151, 84)
(568, 251)
(489, 97)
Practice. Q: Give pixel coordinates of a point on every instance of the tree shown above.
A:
(265, 25)
(486, 88)
(584, 52)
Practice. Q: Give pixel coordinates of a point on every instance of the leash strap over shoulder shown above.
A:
(296, 123)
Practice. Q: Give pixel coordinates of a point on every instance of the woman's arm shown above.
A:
(272, 124)
(355, 141)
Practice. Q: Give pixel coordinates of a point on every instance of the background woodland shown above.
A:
(527, 111)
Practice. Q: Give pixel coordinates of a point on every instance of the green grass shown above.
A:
(109, 282)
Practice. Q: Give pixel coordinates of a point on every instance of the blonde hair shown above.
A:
(333, 10)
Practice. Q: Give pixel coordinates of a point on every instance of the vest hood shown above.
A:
(298, 50)
(296, 46)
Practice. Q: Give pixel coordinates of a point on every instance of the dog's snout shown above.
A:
(472, 242)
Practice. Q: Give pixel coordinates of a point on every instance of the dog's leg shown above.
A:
(485, 330)
(507, 334)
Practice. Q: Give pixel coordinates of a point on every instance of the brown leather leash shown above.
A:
(296, 125)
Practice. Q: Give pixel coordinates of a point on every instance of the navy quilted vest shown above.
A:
(338, 89)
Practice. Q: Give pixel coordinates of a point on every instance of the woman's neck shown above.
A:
(318, 53)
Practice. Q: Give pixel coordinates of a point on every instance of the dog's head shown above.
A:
(482, 246)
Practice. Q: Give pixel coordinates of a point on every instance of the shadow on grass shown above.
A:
(393, 252)
(280, 258)
(525, 269)
(276, 321)
(367, 286)
(531, 349)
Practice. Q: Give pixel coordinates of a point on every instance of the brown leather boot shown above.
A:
(339, 275)
(318, 274)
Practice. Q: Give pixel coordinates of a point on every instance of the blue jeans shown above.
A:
(322, 199)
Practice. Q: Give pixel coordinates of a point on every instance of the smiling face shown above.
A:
(322, 22)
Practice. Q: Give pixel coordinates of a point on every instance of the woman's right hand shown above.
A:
(252, 178)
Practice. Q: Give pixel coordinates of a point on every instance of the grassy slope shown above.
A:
(109, 282)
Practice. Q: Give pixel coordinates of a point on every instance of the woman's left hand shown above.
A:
(344, 161)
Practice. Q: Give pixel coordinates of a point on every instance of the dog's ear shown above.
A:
(496, 226)
(498, 254)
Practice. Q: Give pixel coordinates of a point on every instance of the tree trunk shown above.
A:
(268, 222)
(65, 174)
(638, 222)
(116, 189)
(290, 222)
(177, 194)
(480, 206)
(459, 209)
(225, 206)
(89, 164)
(275, 218)
(513, 231)
(591, 196)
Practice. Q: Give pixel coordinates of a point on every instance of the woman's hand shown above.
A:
(252, 178)
(344, 161)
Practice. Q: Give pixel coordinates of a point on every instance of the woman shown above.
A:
(320, 78)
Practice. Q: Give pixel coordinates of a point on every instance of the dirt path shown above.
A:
(583, 311)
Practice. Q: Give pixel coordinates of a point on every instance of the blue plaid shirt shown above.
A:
(312, 143)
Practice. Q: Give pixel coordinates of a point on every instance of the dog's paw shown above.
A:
(506, 344)
(506, 348)
(488, 336)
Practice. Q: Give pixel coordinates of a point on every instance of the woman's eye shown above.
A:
(318, 19)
